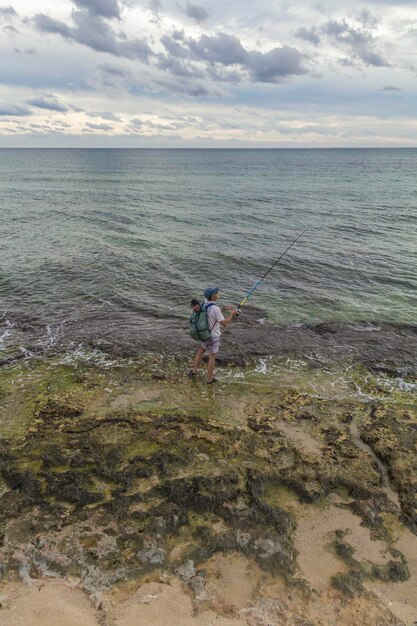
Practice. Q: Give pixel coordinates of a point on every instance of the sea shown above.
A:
(106, 239)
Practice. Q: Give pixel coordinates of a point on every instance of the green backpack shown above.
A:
(198, 323)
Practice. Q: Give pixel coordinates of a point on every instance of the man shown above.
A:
(215, 321)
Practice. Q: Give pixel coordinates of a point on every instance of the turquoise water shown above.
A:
(116, 236)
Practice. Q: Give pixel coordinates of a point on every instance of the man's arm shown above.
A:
(230, 317)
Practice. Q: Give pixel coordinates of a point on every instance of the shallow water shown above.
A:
(108, 241)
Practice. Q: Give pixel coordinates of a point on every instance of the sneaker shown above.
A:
(191, 374)
(213, 380)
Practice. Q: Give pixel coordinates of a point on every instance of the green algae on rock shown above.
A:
(115, 475)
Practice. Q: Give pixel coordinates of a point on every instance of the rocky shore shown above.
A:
(285, 495)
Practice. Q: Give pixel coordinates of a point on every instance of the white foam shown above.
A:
(262, 367)
(397, 384)
(7, 333)
(365, 328)
(80, 353)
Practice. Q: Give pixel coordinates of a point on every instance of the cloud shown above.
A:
(114, 70)
(221, 75)
(308, 129)
(179, 68)
(276, 65)
(45, 24)
(270, 67)
(196, 12)
(104, 8)
(13, 110)
(390, 88)
(30, 51)
(179, 86)
(92, 31)
(220, 48)
(105, 127)
(359, 42)
(367, 19)
(10, 29)
(155, 7)
(104, 115)
(8, 13)
(309, 35)
(48, 102)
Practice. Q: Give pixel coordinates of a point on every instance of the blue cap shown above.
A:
(210, 291)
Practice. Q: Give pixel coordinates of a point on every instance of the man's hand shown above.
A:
(232, 314)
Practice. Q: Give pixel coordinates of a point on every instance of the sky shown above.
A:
(188, 73)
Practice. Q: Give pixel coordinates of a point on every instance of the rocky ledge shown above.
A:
(264, 500)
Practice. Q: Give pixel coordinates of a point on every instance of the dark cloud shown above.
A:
(48, 102)
(390, 88)
(148, 124)
(46, 24)
(104, 8)
(178, 86)
(220, 48)
(104, 115)
(196, 12)
(359, 42)
(367, 19)
(92, 126)
(226, 50)
(177, 67)
(13, 110)
(7, 13)
(172, 44)
(135, 49)
(10, 29)
(276, 65)
(92, 31)
(113, 70)
(222, 75)
(30, 51)
(308, 34)
(155, 7)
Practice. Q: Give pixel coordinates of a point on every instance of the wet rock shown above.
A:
(73, 487)
(202, 493)
(186, 571)
(152, 552)
(119, 491)
(56, 409)
(395, 571)
(349, 584)
(168, 517)
(370, 511)
(54, 456)
(25, 481)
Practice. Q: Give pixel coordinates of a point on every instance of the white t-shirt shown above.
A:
(214, 317)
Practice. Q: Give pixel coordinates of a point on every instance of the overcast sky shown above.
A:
(219, 73)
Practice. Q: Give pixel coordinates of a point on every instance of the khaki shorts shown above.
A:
(212, 345)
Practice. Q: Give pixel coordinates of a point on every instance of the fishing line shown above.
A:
(269, 270)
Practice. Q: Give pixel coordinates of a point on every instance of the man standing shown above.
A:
(215, 320)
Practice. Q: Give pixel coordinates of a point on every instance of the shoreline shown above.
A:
(285, 493)
(371, 343)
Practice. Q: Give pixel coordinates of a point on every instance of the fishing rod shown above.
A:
(269, 270)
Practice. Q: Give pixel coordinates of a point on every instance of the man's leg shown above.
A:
(198, 358)
(211, 366)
